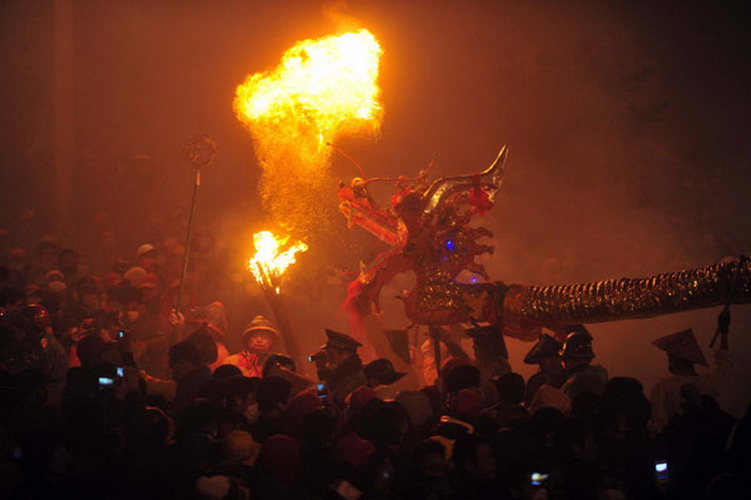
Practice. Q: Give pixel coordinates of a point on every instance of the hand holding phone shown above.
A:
(106, 382)
(539, 479)
(322, 392)
(662, 472)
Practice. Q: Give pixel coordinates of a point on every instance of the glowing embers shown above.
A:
(322, 89)
(269, 263)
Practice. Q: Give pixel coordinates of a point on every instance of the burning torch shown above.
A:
(269, 266)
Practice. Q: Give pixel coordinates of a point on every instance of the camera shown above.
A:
(661, 471)
(322, 392)
(120, 371)
(105, 382)
(120, 334)
(539, 479)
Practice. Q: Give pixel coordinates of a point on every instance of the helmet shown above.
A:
(578, 345)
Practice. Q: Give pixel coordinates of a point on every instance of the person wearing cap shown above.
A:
(545, 355)
(380, 375)
(683, 352)
(257, 340)
(576, 358)
(89, 295)
(339, 365)
(147, 257)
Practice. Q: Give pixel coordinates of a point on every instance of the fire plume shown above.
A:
(321, 89)
(269, 263)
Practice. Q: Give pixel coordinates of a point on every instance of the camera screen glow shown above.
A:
(538, 478)
(661, 466)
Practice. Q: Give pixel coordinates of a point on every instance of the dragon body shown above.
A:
(428, 230)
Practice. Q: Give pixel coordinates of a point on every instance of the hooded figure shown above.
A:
(683, 353)
(258, 339)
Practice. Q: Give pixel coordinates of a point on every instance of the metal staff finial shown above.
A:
(200, 151)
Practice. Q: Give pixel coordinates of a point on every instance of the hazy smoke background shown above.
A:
(627, 123)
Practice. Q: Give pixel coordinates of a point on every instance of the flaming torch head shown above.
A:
(269, 264)
(321, 89)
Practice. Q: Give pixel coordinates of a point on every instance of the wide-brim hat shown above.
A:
(299, 382)
(545, 347)
(340, 341)
(683, 345)
(144, 249)
(260, 325)
(211, 328)
(383, 371)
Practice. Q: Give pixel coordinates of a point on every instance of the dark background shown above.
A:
(627, 121)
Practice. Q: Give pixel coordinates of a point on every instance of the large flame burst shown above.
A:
(269, 263)
(321, 89)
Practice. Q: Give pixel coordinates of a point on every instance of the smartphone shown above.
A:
(323, 393)
(120, 334)
(120, 371)
(106, 382)
(539, 479)
(661, 471)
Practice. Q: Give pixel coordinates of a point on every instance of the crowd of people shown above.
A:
(107, 392)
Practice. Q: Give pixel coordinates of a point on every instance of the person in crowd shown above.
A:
(147, 258)
(510, 391)
(258, 339)
(321, 468)
(576, 358)
(189, 371)
(67, 263)
(474, 469)
(426, 473)
(459, 374)
(273, 400)
(278, 469)
(89, 293)
(339, 365)
(380, 375)
(239, 405)
(47, 251)
(683, 353)
(113, 434)
(545, 354)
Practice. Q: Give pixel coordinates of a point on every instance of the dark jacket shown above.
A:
(346, 378)
(188, 388)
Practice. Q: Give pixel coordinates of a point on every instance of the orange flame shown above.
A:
(268, 265)
(321, 89)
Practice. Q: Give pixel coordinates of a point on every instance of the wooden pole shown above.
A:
(278, 307)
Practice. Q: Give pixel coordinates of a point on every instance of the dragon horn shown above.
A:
(491, 171)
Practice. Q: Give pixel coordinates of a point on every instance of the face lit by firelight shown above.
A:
(260, 341)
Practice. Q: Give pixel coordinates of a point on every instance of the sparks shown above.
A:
(321, 90)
